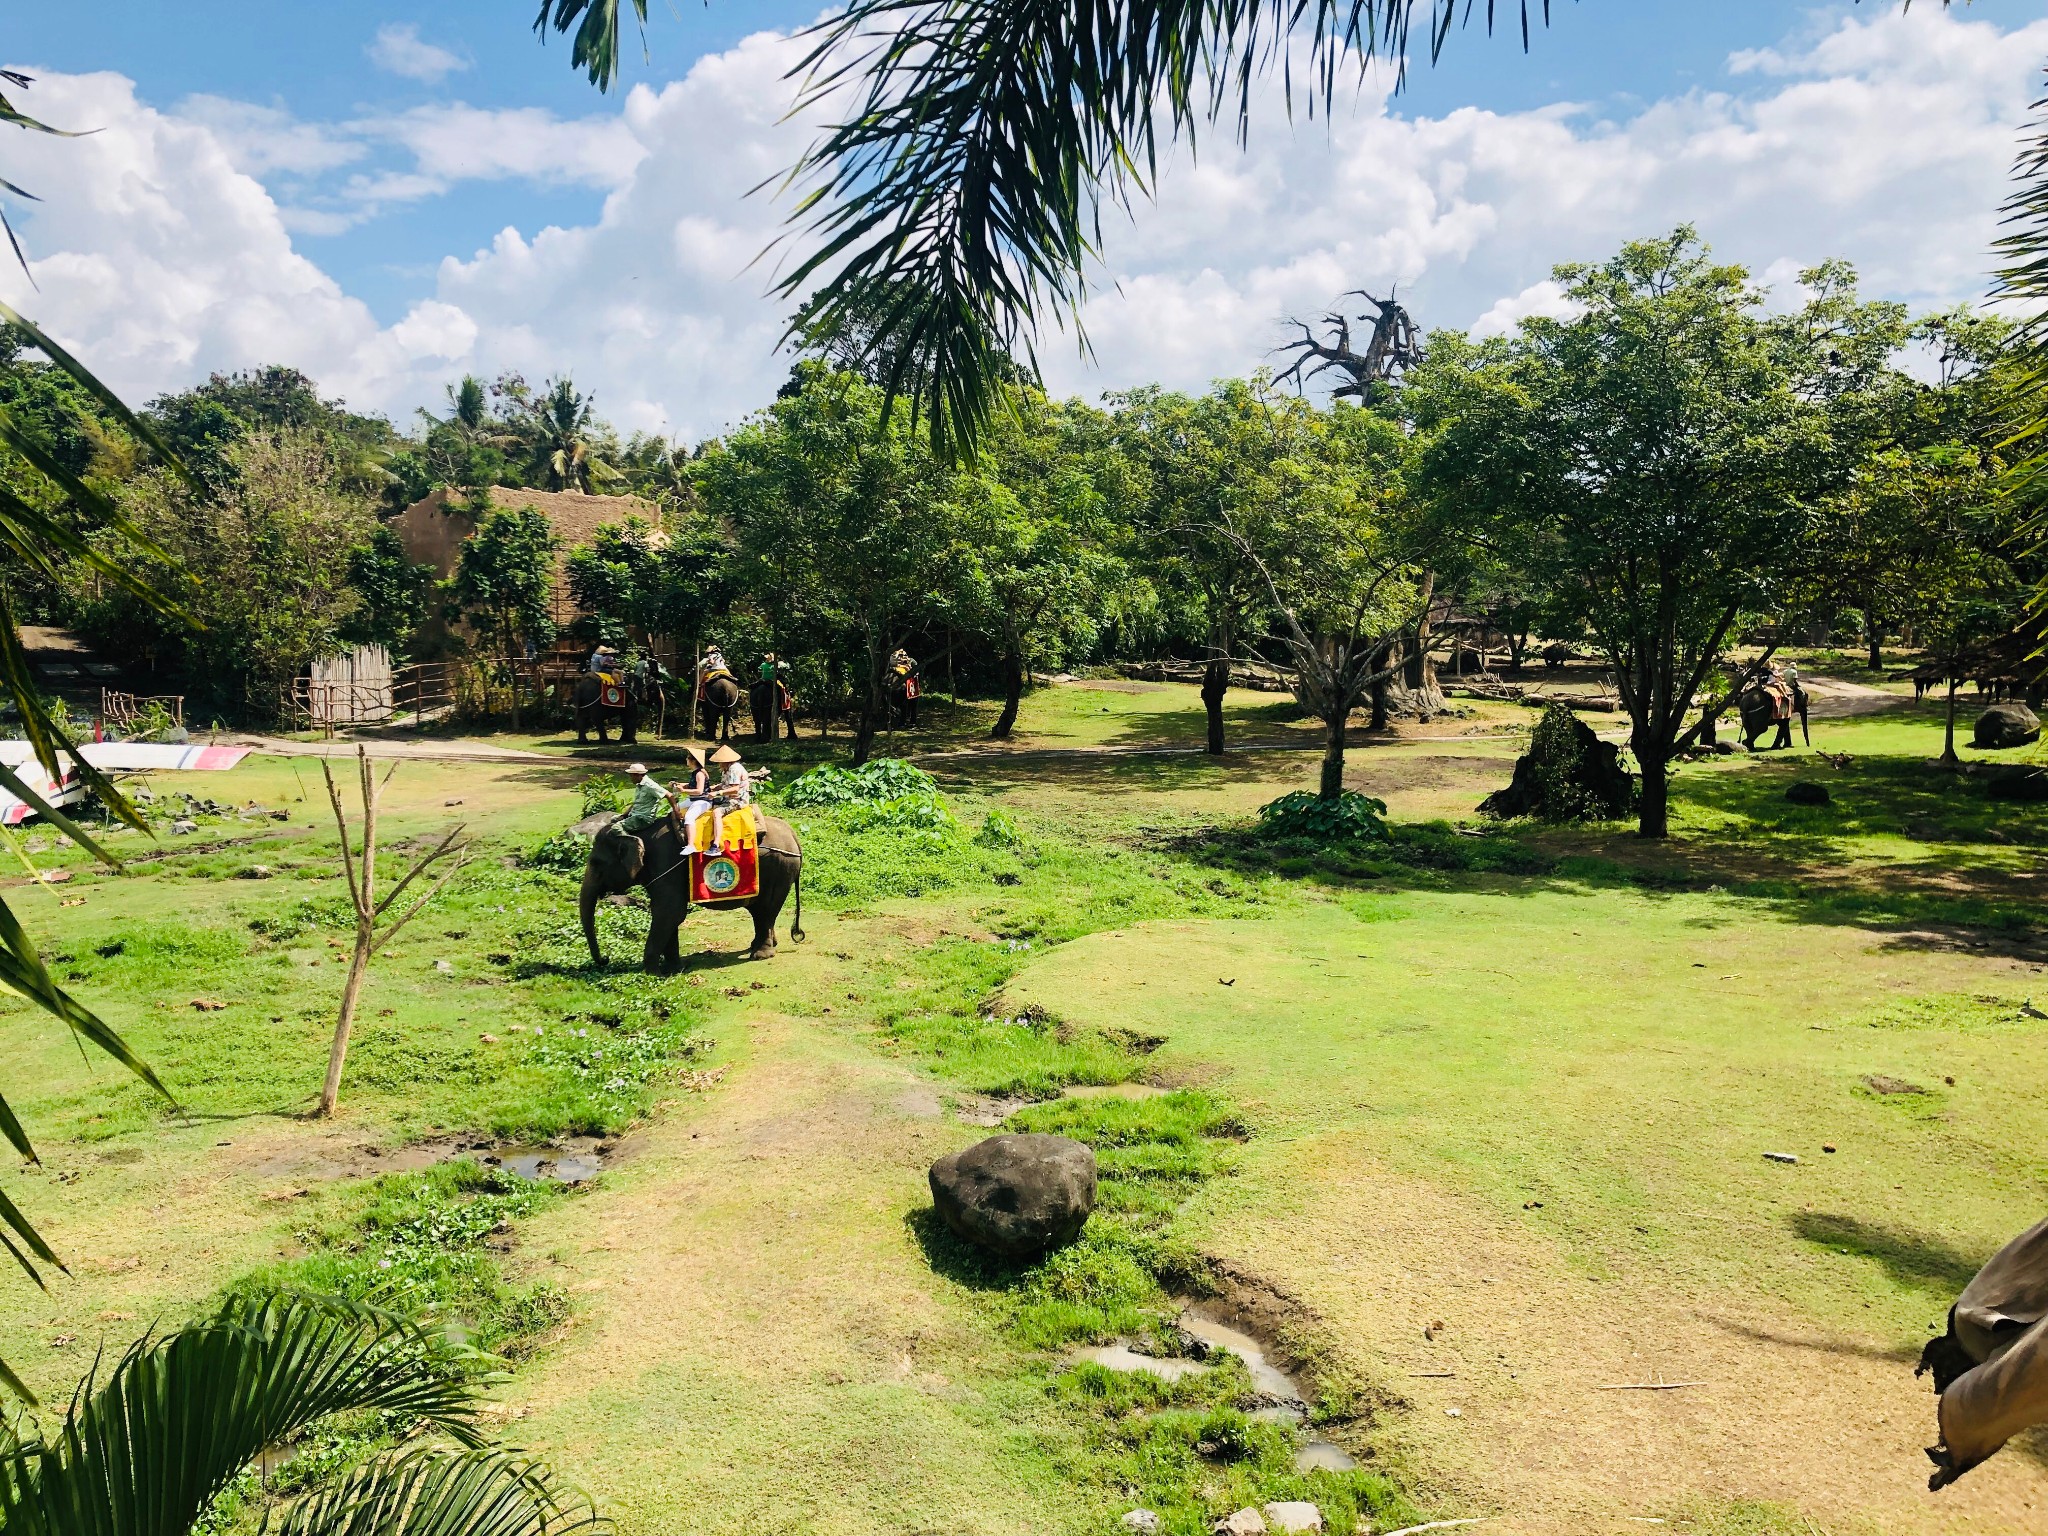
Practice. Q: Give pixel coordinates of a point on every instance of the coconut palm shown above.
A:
(560, 447)
(38, 533)
(147, 1447)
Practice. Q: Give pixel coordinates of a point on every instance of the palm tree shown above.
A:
(37, 537)
(2024, 279)
(146, 1449)
(561, 456)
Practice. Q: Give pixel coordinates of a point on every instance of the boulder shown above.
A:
(1806, 792)
(183, 827)
(2006, 725)
(1016, 1195)
(1144, 1521)
(1246, 1522)
(1295, 1515)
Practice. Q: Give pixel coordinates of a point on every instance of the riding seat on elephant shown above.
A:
(720, 694)
(658, 861)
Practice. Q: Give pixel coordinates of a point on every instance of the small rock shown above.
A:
(1294, 1515)
(182, 826)
(444, 967)
(55, 876)
(208, 1004)
(1807, 792)
(1016, 1195)
(255, 872)
(488, 1039)
(1781, 1157)
(1143, 1521)
(1827, 1146)
(280, 815)
(1246, 1522)
(1454, 1413)
(451, 802)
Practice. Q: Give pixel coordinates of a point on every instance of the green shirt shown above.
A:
(650, 804)
(767, 671)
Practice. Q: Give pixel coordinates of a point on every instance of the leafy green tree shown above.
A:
(1036, 569)
(1658, 451)
(504, 586)
(831, 489)
(565, 442)
(153, 1443)
(205, 423)
(1328, 532)
(1196, 461)
(393, 594)
(264, 560)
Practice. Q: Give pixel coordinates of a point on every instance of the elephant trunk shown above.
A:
(593, 887)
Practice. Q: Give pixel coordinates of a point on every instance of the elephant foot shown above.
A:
(761, 952)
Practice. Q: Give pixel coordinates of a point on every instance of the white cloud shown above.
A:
(1885, 139)
(399, 49)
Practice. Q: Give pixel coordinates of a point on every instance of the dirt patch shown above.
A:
(569, 1160)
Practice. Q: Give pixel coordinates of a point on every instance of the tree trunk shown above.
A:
(1655, 808)
(1332, 784)
(1379, 704)
(1949, 759)
(512, 677)
(1013, 695)
(1215, 682)
(871, 705)
(337, 1054)
(1873, 638)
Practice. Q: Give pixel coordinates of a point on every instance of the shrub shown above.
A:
(606, 792)
(884, 779)
(564, 853)
(1568, 774)
(999, 830)
(1303, 817)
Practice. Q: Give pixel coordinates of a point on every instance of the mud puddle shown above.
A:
(573, 1160)
(1208, 1335)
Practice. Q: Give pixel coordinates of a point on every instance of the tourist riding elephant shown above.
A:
(587, 699)
(900, 687)
(721, 698)
(655, 861)
(1761, 708)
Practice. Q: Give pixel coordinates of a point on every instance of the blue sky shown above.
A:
(380, 195)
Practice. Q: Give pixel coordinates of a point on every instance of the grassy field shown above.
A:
(1470, 1127)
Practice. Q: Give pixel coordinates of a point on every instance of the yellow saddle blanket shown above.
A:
(741, 830)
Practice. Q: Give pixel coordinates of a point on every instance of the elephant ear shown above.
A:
(619, 856)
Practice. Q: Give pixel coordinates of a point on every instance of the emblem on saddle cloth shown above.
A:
(612, 696)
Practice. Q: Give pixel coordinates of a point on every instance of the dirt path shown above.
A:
(762, 1345)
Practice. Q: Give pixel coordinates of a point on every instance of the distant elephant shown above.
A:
(901, 689)
(654, 861)
(586, 698)
(1760, 711)
(721, 702)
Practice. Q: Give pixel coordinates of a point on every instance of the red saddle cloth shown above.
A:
(612, 696)
(733, 875)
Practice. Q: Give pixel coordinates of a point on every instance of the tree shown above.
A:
(264, 556)
(504, 585)
(1197, 459)
(147, 1448)
(392, 594)
(373, 929)
(564, 440)
(1658, 451)
(1327, 534)
(831, 489)
(1392, 347)
(1036, 569)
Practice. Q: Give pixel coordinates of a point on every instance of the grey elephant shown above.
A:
(1760, 710)
(655, 861)
(586, 700)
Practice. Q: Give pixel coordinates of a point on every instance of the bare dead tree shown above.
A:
(362, 889)
(1393, 347)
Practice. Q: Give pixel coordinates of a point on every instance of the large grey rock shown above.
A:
(1296, 1515)
(2006, 725)
(1144, 1521)
(1246, 1522)
(1016, 1195)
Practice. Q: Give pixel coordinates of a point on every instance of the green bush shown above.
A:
(564, 853)
(606, 792)
(999, 830)
(884, 779)
(1303, 817)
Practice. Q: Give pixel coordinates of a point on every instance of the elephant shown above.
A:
(586, 698)
(1759, 711)
(721, 703)
(900, 689)
(655, 861)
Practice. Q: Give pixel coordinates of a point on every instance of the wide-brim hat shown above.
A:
(692, 755)
(638, 770)
(725, 755)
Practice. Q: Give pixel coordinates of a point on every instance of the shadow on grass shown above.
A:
(1902, 1355)
(959, 1261)
(1924, 1263)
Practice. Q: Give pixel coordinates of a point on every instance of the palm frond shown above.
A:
(2023, 282)
(595, 49)
(434, 1492)
(144, 1450)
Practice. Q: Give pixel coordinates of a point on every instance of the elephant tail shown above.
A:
(796, 926)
